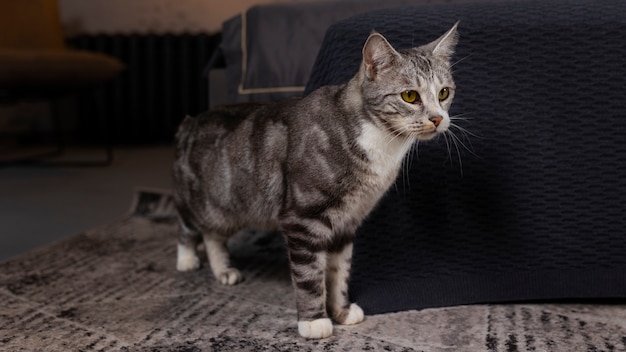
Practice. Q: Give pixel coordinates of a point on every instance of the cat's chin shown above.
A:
(427, 136)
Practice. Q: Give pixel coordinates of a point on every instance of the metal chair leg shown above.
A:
(47, 159)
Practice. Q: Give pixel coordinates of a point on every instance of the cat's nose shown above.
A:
(436, 120)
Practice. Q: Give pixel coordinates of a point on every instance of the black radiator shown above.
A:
(162, 83)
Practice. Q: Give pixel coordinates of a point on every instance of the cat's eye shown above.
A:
(410, 96)
(444, 93)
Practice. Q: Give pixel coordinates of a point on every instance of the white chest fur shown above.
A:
(385, 155)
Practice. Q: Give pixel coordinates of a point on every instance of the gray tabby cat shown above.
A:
(312, 168)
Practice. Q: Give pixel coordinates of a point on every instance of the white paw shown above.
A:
(355, 315)
(187, 259)
(230, 276)
(316, 329)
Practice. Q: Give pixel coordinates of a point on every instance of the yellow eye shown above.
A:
(444, 94)
(410, 96)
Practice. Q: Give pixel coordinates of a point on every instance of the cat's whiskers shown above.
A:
(456, 141)
(410, 137)
(459, 60)
(410, 144)
(462, 117)
(464, 132)
(394, 133)
(408, 159)
(452, 68)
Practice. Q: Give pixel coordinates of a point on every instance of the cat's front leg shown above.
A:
(308, 270)
(337, 276)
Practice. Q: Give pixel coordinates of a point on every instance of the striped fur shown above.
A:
(312, 168)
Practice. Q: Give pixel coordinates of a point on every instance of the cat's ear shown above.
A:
(444, 46)
(378, 54)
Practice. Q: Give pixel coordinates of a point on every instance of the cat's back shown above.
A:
(215, 122)
(228, 164)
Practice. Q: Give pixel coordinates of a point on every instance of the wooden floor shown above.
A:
(39, 205)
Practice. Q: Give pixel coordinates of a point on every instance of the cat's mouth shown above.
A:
(424, 131)
(432, 132)
(424, 136)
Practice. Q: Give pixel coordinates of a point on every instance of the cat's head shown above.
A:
(409, 91)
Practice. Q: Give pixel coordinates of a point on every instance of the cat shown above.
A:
(311, 167)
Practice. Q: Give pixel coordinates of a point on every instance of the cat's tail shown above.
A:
(186, 126)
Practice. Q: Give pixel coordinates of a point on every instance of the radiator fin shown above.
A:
(162, 83)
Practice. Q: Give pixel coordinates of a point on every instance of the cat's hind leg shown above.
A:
(219, 259)
(187, 257)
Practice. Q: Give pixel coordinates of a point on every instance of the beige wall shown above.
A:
(150, 16)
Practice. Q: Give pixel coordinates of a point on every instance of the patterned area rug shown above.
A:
(116, 289)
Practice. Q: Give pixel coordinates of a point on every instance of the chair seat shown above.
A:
(21, 69)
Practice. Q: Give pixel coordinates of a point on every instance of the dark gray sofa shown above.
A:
(269, 50)
(537, 210)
